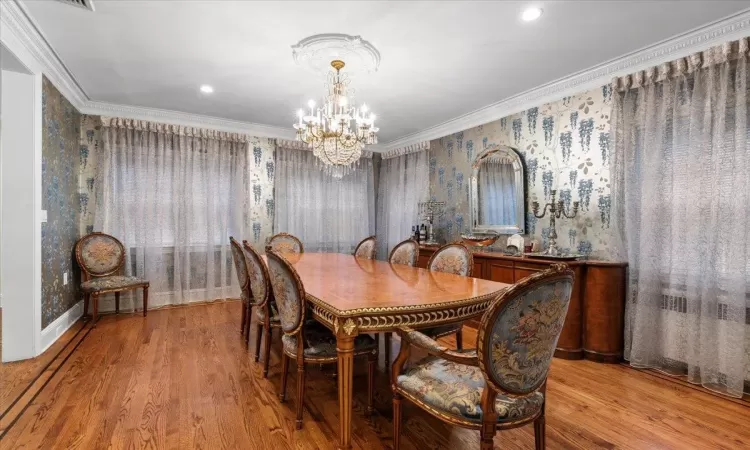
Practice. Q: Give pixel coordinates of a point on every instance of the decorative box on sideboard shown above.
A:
(594, 325)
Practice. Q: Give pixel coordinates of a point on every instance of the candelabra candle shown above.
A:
(430, 211)
(557, 210)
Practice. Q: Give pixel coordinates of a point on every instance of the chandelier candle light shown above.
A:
(337, 131)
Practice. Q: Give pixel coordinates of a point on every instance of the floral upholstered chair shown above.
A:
(240, 267)
(101, 258)
(262, 299)
(308, 341)
(405, 253)
(456, 259)
(285, 243)
(501, 384)
(366, 249)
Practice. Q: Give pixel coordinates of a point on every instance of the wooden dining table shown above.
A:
(352, 296)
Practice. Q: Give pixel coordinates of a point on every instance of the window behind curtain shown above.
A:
(328, 214)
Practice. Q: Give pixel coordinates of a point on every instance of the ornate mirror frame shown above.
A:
(520, 191)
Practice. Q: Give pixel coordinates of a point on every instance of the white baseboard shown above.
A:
(60, 326)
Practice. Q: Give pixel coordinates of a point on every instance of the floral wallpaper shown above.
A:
(261, 169)
(60, 135)
(565, 146)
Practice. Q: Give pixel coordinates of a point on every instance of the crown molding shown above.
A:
(730, 28)
(14, 16)
(186, 119)
(17, 19)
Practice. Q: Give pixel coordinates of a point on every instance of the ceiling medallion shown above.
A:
(337, 131)
(316, 52)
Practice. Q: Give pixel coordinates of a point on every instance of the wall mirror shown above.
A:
(498, 191)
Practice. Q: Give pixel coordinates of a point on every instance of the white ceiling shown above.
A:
(440, 60)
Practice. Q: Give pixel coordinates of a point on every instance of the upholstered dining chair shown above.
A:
(366, 248)
(501, 384)
(240, 266)
(285, 243)
(101, 258)
(453, 258)
(405, 252)
(308, 341)
(267, 313)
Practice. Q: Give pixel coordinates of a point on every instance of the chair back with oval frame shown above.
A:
(99, 255)
(288, 291)
(453, 258)
(240, 267)
(518, 334)
(366, 248)
(285, 243)
(405, 253)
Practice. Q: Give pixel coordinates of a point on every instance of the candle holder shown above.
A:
(557, 211)
(429, 211)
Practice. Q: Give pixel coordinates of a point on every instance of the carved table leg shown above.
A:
(345, 348)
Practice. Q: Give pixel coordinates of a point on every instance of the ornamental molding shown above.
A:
(15, 19)
(316, 53)
(728, 29)
(408, 149)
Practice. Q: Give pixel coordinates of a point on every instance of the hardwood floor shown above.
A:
(17, 377)
(180, 378)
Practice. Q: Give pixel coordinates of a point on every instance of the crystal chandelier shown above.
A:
(337, 131)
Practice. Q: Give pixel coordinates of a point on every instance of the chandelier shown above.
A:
(337, 131)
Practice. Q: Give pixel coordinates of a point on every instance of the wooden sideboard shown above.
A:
(594, 324)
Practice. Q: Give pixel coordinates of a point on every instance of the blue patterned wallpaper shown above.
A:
(60, 135)
(565, 146)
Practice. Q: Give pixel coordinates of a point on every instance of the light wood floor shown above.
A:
(181, 379)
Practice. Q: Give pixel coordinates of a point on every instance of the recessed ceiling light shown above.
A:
(531, 13)
(206, 89)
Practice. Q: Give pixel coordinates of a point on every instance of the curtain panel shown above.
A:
(173, 196)
(327, 213)
(403, 183)
(681, 198)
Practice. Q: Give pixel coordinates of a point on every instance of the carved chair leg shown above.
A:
(396, 421)
(95, 307)
(539, 432)
(372, 361)
(460, 339)
(300, 392)
(248, 321)
(258, 337)
(485, 440)
(387, 339)
(86, 298)
(266, 349)
(284, 375)
(244, 318)
(145, 300)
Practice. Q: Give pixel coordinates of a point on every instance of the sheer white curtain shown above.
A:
(173, 196)
(328, 214)
(681, 193)
(403, 183)
(497, 193)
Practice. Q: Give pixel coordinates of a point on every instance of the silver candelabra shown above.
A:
(430, 211)
(557, 210)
